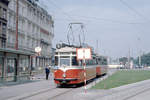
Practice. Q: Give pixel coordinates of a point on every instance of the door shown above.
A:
(10, 70)
(1, 67)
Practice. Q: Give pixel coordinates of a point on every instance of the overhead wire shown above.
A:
(134, 10)
(85, 18)
(62, 11)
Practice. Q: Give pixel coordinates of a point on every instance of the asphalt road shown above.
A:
(46, 90)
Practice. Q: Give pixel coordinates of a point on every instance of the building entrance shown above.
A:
(1, 67)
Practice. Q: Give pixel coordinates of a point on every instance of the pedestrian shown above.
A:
(47, 71)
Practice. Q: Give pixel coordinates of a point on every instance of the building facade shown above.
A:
(35, 30)
(3, 22)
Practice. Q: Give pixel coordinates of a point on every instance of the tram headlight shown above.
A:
(64, 75)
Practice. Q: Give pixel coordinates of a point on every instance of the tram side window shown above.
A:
(56, 61)
(100, 61)
(74, 61)
(104, 61)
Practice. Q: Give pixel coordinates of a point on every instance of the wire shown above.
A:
(88, 18)
(52, 2)
(134, 10)
(107, 20)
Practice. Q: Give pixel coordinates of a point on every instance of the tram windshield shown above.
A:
(74, 61)
(64, 60)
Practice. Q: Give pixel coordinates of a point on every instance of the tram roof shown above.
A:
(66, 49)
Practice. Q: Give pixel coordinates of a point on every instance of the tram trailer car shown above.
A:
(71, 71)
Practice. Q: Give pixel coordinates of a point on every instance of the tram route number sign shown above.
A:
(83, 53)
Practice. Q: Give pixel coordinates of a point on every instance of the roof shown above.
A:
(7, 50)
(66, 49)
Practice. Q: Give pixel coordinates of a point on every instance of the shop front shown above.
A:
(14, 65)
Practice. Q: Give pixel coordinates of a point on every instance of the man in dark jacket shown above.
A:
(47, 71)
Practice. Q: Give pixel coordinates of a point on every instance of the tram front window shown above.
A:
(56, 61)
(74, 61)
(65, 61)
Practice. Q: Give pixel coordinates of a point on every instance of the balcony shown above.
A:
(20, 47)
(3, 36)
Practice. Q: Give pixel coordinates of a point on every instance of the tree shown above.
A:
(145, 60)
(123, 60)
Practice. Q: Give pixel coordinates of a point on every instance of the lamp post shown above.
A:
(38, 51)
(139, 52)
(16, 43)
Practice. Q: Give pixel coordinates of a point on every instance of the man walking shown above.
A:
(47, 71)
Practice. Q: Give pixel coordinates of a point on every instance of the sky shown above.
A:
(119, 26)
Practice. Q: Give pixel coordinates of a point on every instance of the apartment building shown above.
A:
(35, 29)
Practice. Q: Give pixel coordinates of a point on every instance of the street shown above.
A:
(46, 90)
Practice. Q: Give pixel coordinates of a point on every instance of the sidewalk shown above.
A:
(37, 84)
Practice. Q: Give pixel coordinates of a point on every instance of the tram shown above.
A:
(70, 70)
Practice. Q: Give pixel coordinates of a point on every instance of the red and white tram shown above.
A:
(71, 71)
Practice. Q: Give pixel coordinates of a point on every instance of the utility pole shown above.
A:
(16, 44)
(17, 9)
(140, 59)
(97, 46)
(129, 59)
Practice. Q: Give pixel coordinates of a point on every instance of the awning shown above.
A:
(7, 50)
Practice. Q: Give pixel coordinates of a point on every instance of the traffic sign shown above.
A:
(83, 53)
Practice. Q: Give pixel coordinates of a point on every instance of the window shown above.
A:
(10, 66)
(4, 29)
(32, 43)
(56, 61)
(74, 61)
(29, 27)
(0, 27)
(3, 43)
(4, 13)
(8, 39)
(28, 40)
(64, 61)
(0, 11)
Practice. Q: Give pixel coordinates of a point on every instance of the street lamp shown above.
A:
(38, 50)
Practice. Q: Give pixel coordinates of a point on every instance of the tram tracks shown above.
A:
(48, 94)
(52, 98)
(37, 93)
(140, 92)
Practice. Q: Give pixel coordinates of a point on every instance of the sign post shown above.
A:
(84, 54)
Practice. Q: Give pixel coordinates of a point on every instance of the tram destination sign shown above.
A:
(83, 53)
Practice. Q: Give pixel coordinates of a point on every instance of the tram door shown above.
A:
(10, 68)
(1, 67)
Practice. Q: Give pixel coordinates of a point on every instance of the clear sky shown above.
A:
(117, 24)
